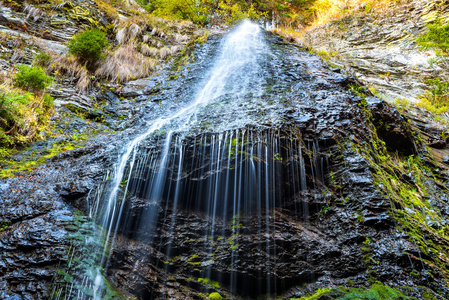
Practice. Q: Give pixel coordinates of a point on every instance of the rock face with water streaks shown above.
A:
(302, 151)
(310, 243)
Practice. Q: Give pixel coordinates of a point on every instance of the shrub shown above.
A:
(88, 46)
(439, 89)
(24, 117)
(69, 66)
(435, 37)
(32, 78)
(401, 104)
(11, 115)
(9, 107)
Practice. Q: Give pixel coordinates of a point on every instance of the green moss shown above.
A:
(209, 282)
(235, 223)
(415, 274)
(369, 260)
(409, 198)
(215, 296)
(377, 291)
(362, 92)
(21, 162)
(186, 56)
(192, 260)
(15, 5)
(318, 293)
(413, 211)
(194, 256)
(13, 167)
(427, 295)
(435, 37)
(83, 266)
(5, 225)
(360, 217)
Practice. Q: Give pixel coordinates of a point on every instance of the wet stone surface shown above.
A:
(313, 238)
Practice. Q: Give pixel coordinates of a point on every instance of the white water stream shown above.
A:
(234, 72)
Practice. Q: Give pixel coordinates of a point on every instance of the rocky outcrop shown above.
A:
(342, 226)
(36, 211)
(380, 47)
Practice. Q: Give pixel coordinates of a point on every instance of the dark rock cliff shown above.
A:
(373, 207)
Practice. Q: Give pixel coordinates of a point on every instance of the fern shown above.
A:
(435, 37)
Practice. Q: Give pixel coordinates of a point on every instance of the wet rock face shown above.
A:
(60, 25)
(32, 239)
(313, 235)
(36, 212)
(302, 241)
(392, 127)
(334, 231)
(247, 262)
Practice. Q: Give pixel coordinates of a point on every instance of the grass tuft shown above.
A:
(125, 64)
(64, 65)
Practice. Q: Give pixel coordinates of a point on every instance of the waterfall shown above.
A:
(231, 178)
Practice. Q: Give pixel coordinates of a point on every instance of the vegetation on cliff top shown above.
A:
(217, 11)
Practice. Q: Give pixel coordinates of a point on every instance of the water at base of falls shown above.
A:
(231, 179)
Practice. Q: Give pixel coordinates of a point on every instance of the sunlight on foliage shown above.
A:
(436, 100)
(192, 10)
(326, 10)
(436, 37)
(233, 12)
(401, 104)
(203, 12)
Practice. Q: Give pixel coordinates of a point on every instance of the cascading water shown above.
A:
(233, 180)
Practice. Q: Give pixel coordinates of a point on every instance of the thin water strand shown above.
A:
(231, 73)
